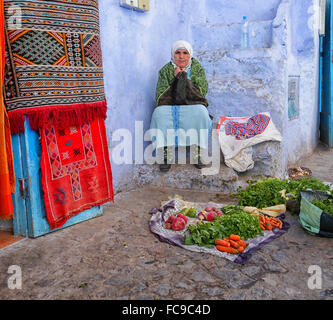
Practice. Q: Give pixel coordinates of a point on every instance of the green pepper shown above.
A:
(192, 213)
(184, 211)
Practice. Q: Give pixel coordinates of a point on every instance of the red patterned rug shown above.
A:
(76, 170)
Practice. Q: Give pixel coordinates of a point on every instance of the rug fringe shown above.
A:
(62, 116)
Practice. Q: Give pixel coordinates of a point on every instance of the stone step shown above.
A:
(186, 176)
(216, 176)
(222, 179)
(228, 36)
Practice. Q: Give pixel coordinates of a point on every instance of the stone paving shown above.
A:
(115, 256)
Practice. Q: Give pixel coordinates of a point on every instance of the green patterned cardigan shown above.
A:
(166, 77)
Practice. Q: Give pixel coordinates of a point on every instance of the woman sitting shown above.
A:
(181, 103)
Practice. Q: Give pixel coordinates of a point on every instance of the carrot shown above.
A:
(240, 249)
(234, 237)
(242, 243)
(262, 227)
(274, 224)
(234, 244)
(223, 243)
(226, 249)
(268, 226)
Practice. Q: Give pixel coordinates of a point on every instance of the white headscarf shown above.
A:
(181, 44)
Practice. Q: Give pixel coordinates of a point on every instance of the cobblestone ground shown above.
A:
(115, 256)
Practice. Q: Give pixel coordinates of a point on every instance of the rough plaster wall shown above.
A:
(136, 45)
(245, 82)
(284, 41)
(303, 60)
(229, 12)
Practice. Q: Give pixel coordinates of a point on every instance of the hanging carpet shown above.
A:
(53, 63)
(54, 76)
(7, 177)
(76, 170)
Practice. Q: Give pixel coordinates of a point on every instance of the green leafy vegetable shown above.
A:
(295, 186)
(325, 205)
(231, 209)
(241, 223)
(262, 193)
(266, 193)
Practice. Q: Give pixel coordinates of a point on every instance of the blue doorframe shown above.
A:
(28, 200)
(326, 64)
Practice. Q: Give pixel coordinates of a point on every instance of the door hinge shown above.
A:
(23, 188)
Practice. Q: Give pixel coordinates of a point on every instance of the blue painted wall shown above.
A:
(136, 45)
(303, 61)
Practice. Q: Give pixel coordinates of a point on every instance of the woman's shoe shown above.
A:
(199, 165)
(165, 167)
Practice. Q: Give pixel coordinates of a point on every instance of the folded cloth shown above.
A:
(237, 135)
(242, 162)
(180, 126)
(255, 125)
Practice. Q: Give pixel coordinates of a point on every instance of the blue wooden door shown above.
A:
(326, 103)
(29, 210)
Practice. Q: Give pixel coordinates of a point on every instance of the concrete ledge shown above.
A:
(187, 177)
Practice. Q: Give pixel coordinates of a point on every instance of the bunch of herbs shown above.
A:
(268, 192)
(325, 205)
(241, 223)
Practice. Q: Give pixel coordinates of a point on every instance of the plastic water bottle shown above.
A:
(245, 34)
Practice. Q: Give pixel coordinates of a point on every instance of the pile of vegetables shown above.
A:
(176, 223)
(222, 227)
(274, 191)
(325, 205)
(209, 214)
(269, 223)
(233, 244)
(239, 223)
(190, 212)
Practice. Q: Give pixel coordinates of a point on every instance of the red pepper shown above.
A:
(178, 224)
(167, 225)
(211, 216)
(171, 219)
(182, 216)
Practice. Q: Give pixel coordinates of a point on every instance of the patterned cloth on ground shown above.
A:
(53, 63)
(173, 206)
(76, 170)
